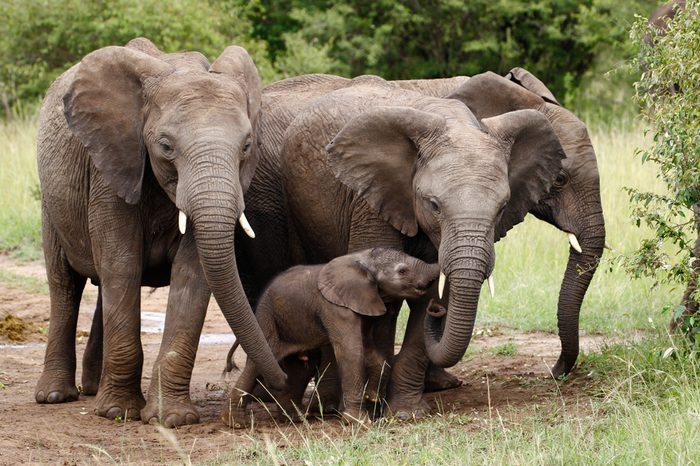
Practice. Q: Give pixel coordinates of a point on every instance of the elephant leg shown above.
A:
(405, 391)
(328, 392)
(347, 341)
(300, 370)
(169, 400)
(379, 353)
(92, 357)
(57, 381)
(234, 413)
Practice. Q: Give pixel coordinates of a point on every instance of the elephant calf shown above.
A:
(338, 303)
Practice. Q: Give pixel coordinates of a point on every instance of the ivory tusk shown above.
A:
(441, 284)
(608, 247)
(246, 226)
(574, 242)
(492, 286)
(182, 222)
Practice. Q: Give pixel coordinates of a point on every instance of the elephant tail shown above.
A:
(230, 363)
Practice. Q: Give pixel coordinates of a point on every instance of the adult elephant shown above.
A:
(420, 174)
(128, 138)
(573, 206)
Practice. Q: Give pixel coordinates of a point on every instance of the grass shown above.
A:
(20, 215)
(24, 282)
(645, 411)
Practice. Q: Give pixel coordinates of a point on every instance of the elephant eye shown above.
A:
(561, 179)
(246, 146)
(434, 205)
(165, 146)
(402, 270)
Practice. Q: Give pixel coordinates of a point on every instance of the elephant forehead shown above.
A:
(187, 88)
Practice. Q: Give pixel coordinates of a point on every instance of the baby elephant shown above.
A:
(308, 307)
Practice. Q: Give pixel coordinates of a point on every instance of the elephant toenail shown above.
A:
(191, 419)
(153, 421)
(172, 421)
(402, 416)
(113, 412)
(40, 398)
(54, 397)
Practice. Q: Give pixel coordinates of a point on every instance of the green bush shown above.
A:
(569, 44)
(39, 39)
(671, 61)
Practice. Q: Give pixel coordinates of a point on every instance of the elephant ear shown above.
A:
(104, 109)
(488, 94)
(236, 63)
(146, 46)
(375, 155)
(345, 282)
(535, 161)
(530, 82)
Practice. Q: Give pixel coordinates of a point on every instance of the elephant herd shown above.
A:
(148, 161)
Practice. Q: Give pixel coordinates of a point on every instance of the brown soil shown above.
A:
(507, 386)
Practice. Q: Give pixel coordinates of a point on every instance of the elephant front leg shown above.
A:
(379, 354)
(347, 339)
(57, 381)
(169, 400)
(119, 392)
(405, 391)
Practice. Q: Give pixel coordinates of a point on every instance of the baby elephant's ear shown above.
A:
(344, 282)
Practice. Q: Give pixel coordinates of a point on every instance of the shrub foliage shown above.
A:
(566, 43)
(669, 93)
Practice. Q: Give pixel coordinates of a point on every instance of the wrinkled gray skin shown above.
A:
(573, 205)
(439, 180)
(339, 303)
(128, 137)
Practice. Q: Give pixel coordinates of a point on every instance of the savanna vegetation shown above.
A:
(644, 405)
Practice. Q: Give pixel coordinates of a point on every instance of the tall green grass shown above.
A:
(20, 215)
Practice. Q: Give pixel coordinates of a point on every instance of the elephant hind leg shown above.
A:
(92, 357)
(57, 381)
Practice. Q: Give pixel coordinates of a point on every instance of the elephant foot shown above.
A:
(323, 406)
(438, 379)
(124, 406)
(258, 413)
(408, 410)
(170, 413)
(356, 417)
(55, 387)
(89, 384)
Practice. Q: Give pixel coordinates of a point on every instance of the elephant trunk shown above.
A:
(465, 275)
(214, 213)
(579, 272)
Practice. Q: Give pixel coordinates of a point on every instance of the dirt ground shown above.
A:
(70, 434)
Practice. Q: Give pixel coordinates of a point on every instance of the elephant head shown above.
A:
(363, 281)
(432, 166)
(573, 205)
(141, 114)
